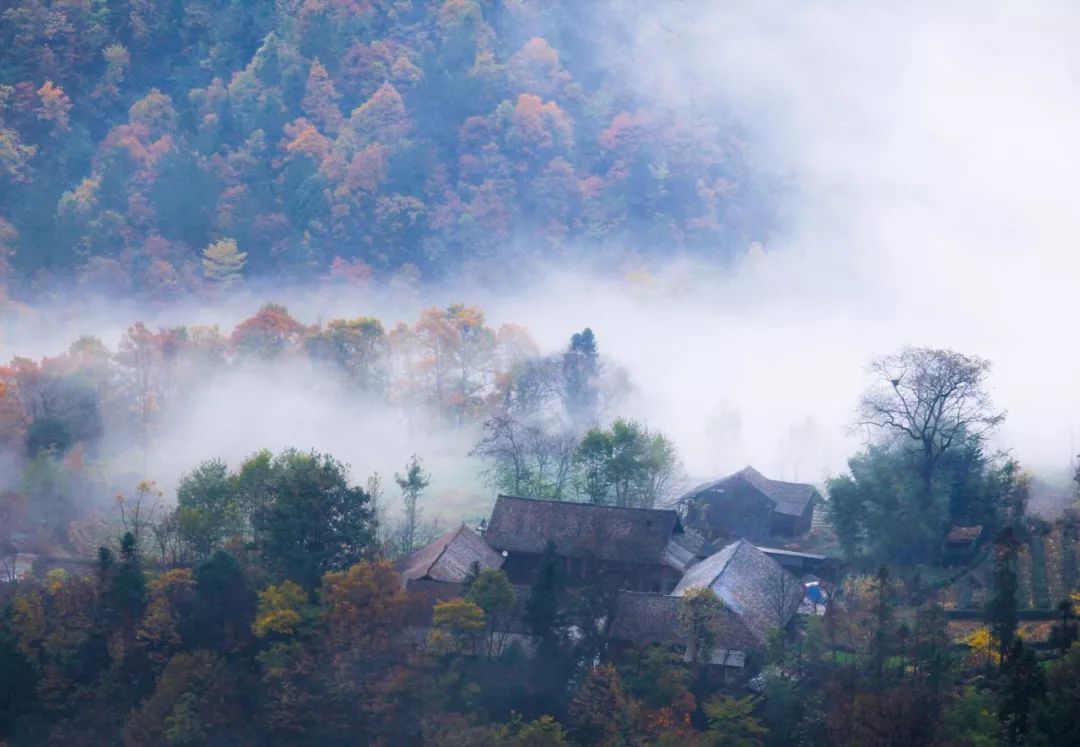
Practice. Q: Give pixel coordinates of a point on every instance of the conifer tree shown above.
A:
(223, 262)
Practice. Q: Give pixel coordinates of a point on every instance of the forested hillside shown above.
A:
(155, 146)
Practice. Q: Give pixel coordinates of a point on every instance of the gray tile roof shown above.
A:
(642, 619)
(646, 618)
(790, 498)
(578, 529)
(752, 585)
(448, 558)
(678, 557)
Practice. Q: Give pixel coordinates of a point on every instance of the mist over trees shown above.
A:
(81, 425)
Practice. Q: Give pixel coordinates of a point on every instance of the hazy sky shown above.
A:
(932, 155)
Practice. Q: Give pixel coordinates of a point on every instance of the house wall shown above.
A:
(739, 510)
(521, 569)
(785, 525)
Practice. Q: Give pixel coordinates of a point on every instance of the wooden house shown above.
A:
(634, 548)
(748, 504)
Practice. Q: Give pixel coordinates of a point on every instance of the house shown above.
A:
(640, 549)
(646, 619)
(758, 595)
(748, 504)
(449, 557)
(644, 553)
(761, 595)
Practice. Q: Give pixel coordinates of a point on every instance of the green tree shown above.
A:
(127, 590)
(701, 615)
(491, 591)
(592, 459)
(1001, 610)
(1059, 715)
(311, 520)
(224, 608)
(549, 667)
(782, 710)
(355, 347)
(207, 511)
(883, 619)
(545, 596)
(627, 465)
(581, 371)
(970, 719)
(195, 701)
(1021, 690)
(732, 722)
(17, 682)
(879, 512)
(412, 483)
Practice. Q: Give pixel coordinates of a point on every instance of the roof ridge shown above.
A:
(789, 482)
(626, 592)
(439, 556)
(588, 505)
(727, 562)
(446, 545)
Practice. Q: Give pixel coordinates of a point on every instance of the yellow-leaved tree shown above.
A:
(279, 609)
(223, 262)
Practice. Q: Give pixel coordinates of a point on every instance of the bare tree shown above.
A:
(139, 355)
(527, 458)
(783, 594)
(933, 399)
(137, 513)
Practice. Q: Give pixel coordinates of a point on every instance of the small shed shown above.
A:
(961, 544)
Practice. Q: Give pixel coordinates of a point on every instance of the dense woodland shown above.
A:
(158, 147)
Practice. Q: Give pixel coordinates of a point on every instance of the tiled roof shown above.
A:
(790, 498)
(646, 618)
(964, 534)
(752, 585)
(678, 557)
(579, 529)
(643, 619)
(448, 558)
